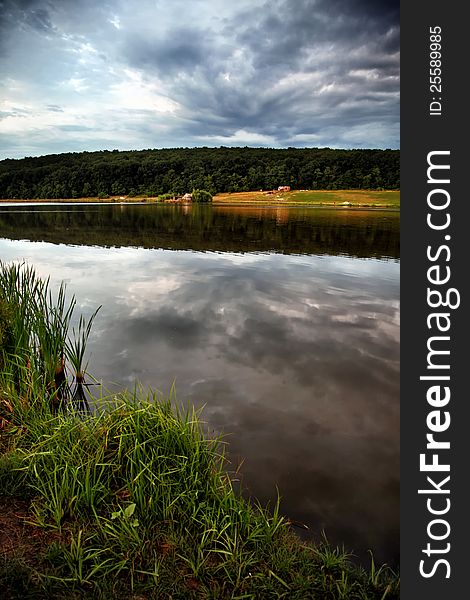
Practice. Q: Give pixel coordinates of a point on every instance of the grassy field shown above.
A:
(364, 198)
(132, 501)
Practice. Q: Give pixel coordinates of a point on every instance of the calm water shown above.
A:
(284, 323)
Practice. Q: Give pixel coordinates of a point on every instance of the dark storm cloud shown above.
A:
(298, 33)
(278, 73)
(179, 50)
(39, 19)
(328, 44)
(15, 14)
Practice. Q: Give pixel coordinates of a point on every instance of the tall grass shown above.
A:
(137, 498)
(41, 360)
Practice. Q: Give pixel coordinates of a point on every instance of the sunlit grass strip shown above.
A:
(328, 198)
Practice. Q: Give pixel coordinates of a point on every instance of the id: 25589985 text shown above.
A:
(435, 70)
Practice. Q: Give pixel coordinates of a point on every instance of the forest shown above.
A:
(180, 170)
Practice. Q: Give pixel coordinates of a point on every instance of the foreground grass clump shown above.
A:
(135, 501)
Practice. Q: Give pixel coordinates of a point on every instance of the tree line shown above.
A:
(180, 170)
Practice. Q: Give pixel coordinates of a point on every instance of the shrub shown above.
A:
(168, 196)
(202, 196)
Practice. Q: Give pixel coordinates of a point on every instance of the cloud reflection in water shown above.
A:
(296, 358)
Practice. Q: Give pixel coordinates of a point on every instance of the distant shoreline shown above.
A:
(295, 198)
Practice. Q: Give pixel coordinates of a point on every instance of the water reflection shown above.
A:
(309, 230)
(296, 357)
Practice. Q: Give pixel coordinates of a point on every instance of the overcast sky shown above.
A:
(89, 75)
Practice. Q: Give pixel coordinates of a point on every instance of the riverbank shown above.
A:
(133, 501)
(331, 198)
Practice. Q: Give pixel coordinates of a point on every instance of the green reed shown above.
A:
(39, 348)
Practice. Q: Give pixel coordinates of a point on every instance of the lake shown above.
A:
(282, 322)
